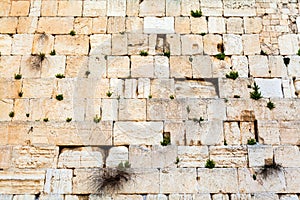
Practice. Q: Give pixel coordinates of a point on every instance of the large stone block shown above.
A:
(234, 25)
(277, 66)
(229, 88)
(116, 8)
(159, 25)
(83, 26)
(192, 156)
(110, 109)
(72, 45)
(192, 89)
(69, 8)
(229, 156)
(167, 109)
(119, 44)
(118, 67)
(148, 133)
(292, 177)
(142, 67)
(269, 132)
(180, 67)
(19, 8)
(191, 44)
(152, 8)
(131, 88)
(239, 8)
(143, 88)
(251, 44)
(27, 24)
(99, 24)
(38, 88)
(182, 25)
(22, 44)
(198, 25)
(49, 8)
(161, 67)
(240, 64)
(5, 157)
(63, 25)
(173, 8)
(137, 43)
(5, 5)
(202, 67)
(287, 156)
(42, 44)
(116, 25)
(177, 132)
(258, 66)
(5, 44)
(132, 109)
(162, 88)
(289, 133)
(270, 87)
(216, 25)
(288, 44)
(253, 25)
(116, 155)
(94, 8)
(232, 44)
(260, 155)
(58, 181)
(293, 66)
(100, 44)
(210, 44)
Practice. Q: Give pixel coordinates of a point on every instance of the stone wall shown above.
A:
(78, 99)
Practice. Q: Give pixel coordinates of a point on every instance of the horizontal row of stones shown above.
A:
(133, 44)
(155, 181)
(141, 156)
(143, 8)
(185, 133)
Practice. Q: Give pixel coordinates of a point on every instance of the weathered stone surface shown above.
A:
(253, 25)
(216, 180)
(192, 156)
(260, 155)
(292, 179)
(203, 89)
(289, 133)
(270, 87)
(232, 44)
(35, 88)
(185, 179)
(234, 25)
(159, 25)
(292, 67)
(73, 45)
(176, 130)
(130, 88)
(83, 26)
(63, 25)
(269, 132)
(137, 43)
(94, 8)
(138, 133)
(132, 109)
(143, 88)
(160, 109)
(161, 67)
(27, 24)
(187, 6)
(119, 41)
(182, 25)
(58, 181)
(116, 25)
(24, 197)
(287, 156)
(116, 155)
(142, 67)
(216, 25)
(100, 44)
(99, 24)
(5, 157)
(202, 67)
(251, 44)
(288, 44)
(152, 8)
(277, 66)
(258, 66)
(198, 25)
(239, 8)
(22, 44)
(118, 67)
(210, 44)
(5, 44)
(191, 44)
(69, 8)
(42, 44)
(19, 8)
(180, 67)
(116, 8)
(229, 88)
(229, 156)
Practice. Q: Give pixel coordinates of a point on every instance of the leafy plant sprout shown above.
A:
(167, 54)
(255, 94)
(166, 139)
(232, 75)
(68, 119)
(210, 164)
(270, 105)
(45, 119)
(18, 76)
(150, 96)
(97, 119)
(172, 97)
(11, 114)
(60, 76)
(220, 56)
(42, 56)
(251, 141)
(298, 52)
(109, 93)
(144, 53)
(72, 33)
(59, 97)
(53, 52)
(196, 13)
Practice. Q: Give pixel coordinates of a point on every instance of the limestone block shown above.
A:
(80, 157)
(240, 64)
(191, 44)
(131, 8)
(270, 87)
(240, 8)
(260, 155)
(116, 87)
(116, 8)
(35, 8)
(161, 67)
(293, 66)
(97, 67)
(228, 87)
(38, 88)
(289, 133)
(212, 7)
(176, 130)
(24, 197)
(116, 25)
(287, 156)
(292, 179)
(273, 183)
(142, 67)
(92, 109)
(185, 179)
(119, 41)
(156, 156)
(134, 24)
(5, 157)
(159, 25)
(99, 197)
(277, 66)
(182, 25)
(27, 24)
(109, 109)
(148, 133)
(232, 133)
(100, 44)
(220, 197)
(129, 197)
(5, 44)
(162, 88)
(143, 87)
(289, 197)
(116, 156)
(137, 43)
(152, 8)
(131, 88)
(192, 156)
(287, 111)
(234, 25)
(251, 44)
(21, 182)
(188, 5)
(31, 66)
(51, 197)
(204, 133)
(156, 109)
(216, 110)
(22, 104)
(83, 25)
(287, 88)
(216, 25)
(269, 132)
(42, 44)
(192, 89)
(73, 45)
(210, 44)
(49, 8)
(118, 67)
(132, 109)
(9, 89)
(157, 197)
(22, 44)
(198, 25)
(196, 108)
(176, 110)
(252, 25)
(94, 8)
(180, 67)
(232, 44)
(216, 180)
(202, 67)
(58, 181)
(221, 67)
(33, 157)
(258, 66)
(5, 5)
(175, 44)
(69, 8)
(288, 44)
(19, 8)
(203, 196)
(229, 156)
(99, 24)
(239, 110)
(63, 25)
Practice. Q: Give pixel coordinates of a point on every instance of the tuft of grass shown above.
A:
(72, 33)
(298, 52)
(167, 53)
(42, 56)
(144, 53)
(45, 119)
(270, 105)
(232, 75)
(255, 94)
(11, 114)
(59, 97)
(60, 76)
(97, 119)
(172, 97)
(53, 52)
(150, 96)
(251, 141)
(196, 13)
(20, 94)
(18, 76)
(87, 73)
(263, 53)
(166, 139)
(236, 96)
(109, 93)
(210, 164)
(220, 56)
(177, 160)
(202, 34)
(124, 166)
(27, 115)
(68, 119)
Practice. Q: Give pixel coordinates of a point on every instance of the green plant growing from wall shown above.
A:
(97, 119)
(45, 119)
(72, 33)
(196, 13)
(166, 139)
(53, 52)
(167, 54)
(232, 75)
(255, 94)
(251, 141)
(60, 76)
(298, 53)
(11, 114)
(20, 94)
(270, 105)
(87, 73)
(68, 119)
(109, 93)
(270, 169)
(18, 76)
(220, 56)
(144, 53)
(150, 96)
(42, 56)
(210, 164)
(59, 97)
(177, 160)
(263, 53)
(172, 97)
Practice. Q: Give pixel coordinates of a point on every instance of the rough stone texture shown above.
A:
(159, 25)
(58, 181)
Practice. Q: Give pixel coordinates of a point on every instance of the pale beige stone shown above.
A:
(143, 88)
(5, 5)
(210, 44)
(161, 67)
(109, 109)
(131, 7)
(129, 197)
(22, 44)
(31, 66)
(63, 25)
(260, 155)
(116, 25)
(188, 5)
(132, 109)
(49, 8)
(19, 8)
(270, 87)
(118, 67)
(5, 44)
(277, 66)
(198, 25)
(116, 87)
(148, 133)
(162, 88)
(293, 66)
(196, 108)
(142, 66)
(229, 156)
(100, 44)
(38, 88)
(175, 44)
(134, 25)
(251, 44)
(212, 7)
(193, 88)
(152, 8)
(22, 104)
(5, 157)
(116, 8)
(253, 25)
(116, 156)
(137, 43)
(240, 64)
(287, 156)
(131, 88)
(185, 179)
(182, 25)
(192, 156)
(83, 25)
(289, 133)
(216, 110)
(191, 44)
(97, 67)
(99, 24)
(119, 41)
(157, 197)
(216, 25)
(202, 67)
(258, 66)
(58, 181)
(72, 45)
(232, 133)
(292, 179)
(27, 24)
(24, 197)
(232, 44)
(42, 43)
(180, 67)
(229, 88)
(6, 108)
(234, 25)
(269, 132)
(76, 66)
(35, 8)
(159, 25)
(216, 180)
(242, 8)
(288, 44)
(69, 8)
(176, 130)
(9, 66)
(221, 67)
(94, 8)
(51, 197)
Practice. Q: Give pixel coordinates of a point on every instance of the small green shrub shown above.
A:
(11, 114)
(109, 93)
(255, 94)
(45, 119)
(236, 96)
(60, 76)
(150, 96)
(166, 139)
(210, 164)
(167, 53)
(124, 166)
(27, 115)
(270, 105)
(263, 53)
(68, 119)
(97, 119)
(202, 34)
(220, 56)
(42, 56)
(20, 94)
(144, 53)
(298, 52)
(177, 160)
(53, 52)
(172, 97)
(18, 76)
(232, 75)
(59, 97)
(251, 141)
(87, 73)
(196, 13)
(72, 33)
